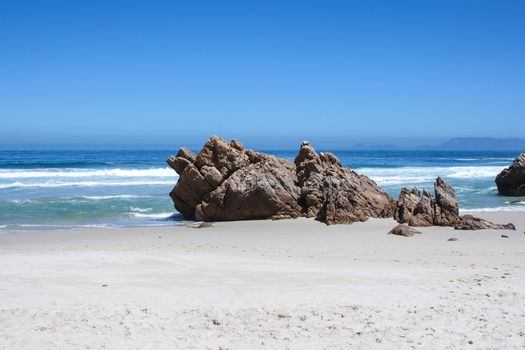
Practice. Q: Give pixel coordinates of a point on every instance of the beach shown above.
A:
(289, 284)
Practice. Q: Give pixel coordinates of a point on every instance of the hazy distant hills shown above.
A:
(455, 144)
(481, 144)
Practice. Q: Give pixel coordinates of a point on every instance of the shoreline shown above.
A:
(183, 223)
(264, 284)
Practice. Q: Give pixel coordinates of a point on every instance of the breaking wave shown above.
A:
(73, 173)
(49, 184)
(414, 175)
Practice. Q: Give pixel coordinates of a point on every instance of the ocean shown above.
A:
(75, 189)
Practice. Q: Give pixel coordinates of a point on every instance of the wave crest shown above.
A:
(72, 173)
(414, 175)
(84, 184)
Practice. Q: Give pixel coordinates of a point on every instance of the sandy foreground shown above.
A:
(294, 284)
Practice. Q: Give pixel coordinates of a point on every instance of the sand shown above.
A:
(294, 284)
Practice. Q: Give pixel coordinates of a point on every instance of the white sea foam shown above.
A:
(19, 201)
(140, 210)
(414, 175)
(74, 173)
(491, 209)
(50, 184)
(70, 199)
(118, 196)
(55, 226)
(151, 216)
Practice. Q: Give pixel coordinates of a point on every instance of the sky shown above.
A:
(270, 73)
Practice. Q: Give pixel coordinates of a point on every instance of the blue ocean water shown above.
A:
(71, 189)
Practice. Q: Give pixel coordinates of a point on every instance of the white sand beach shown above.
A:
(294, 284)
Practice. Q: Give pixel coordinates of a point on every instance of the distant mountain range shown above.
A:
(481, 144)
(454, 144)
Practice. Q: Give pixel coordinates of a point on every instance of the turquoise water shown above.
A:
(71, 189)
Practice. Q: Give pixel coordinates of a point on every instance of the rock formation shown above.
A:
(227, 182)
(335, 194)
(469, 222)
(404, 230)
(427, 210)
(511, 181)
(419, 210)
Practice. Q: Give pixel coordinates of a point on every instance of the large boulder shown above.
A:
(335, 194)
(227, 182)
(261, 190)
(511, 181)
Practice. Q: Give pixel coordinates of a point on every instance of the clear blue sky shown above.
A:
(173, 72)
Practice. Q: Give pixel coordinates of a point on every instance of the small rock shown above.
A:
(215, 322)
(404, 230)
(104, 285)
(504, 236)
(451, 239)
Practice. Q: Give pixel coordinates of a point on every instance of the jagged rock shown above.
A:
(404, 230)
(237, 145)
(407, 203)
(469, 222)
(511, 181)
(183, 158)
(261, 190)
(212, 176)
(189, 191)
(417, 210)
(227, 182)
(446, 206)
(225, 158)
(424, 213)
(443, 210)
(335, 194)
(310, 177)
